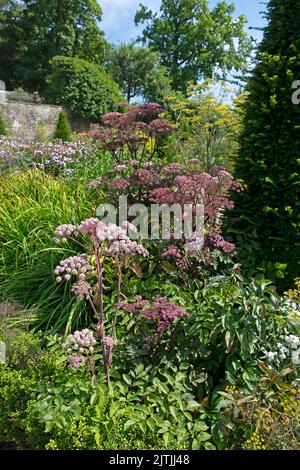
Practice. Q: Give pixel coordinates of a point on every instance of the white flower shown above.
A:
(296, 357)
(271, 356)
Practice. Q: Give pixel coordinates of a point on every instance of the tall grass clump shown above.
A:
(32, 205)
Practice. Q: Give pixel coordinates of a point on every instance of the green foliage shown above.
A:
(63, 130)
(265, 417)
(138, 73)
(141, 404)
(82, 87)
(18, 95)
(208, 124)
(268, 159)
(3, 129)
(45, 404)
(36, 31)
(10, 12)
(184, 34)
(27, 364)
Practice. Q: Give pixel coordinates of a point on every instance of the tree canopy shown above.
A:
(194, 41)
(35, 31)
(137, 71)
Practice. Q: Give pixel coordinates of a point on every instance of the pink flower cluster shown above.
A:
(73, 266)
(126, 248)
(145, 177)
(79, 347)
(63, 232)
(130, 131)
(161, 312)
(96, 183)
(215, 240)
(175, 254)
(120, 185)
(82, 289)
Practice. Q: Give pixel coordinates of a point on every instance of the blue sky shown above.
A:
(118, 15)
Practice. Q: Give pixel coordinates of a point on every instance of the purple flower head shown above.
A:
(82, 289)
(80, 342)
(109, 232)
(78, 266)
(64, 231)
(89, 226)
(96, 183)
(126, 248)
(119, 185)
(120, 167)
(163, 312)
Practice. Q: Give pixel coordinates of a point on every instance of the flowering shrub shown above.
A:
(161, 313)
(294, 294)
(56, 158)
(287, 349)
(136, 132)
(175, 183)
(80, 348)
(87, 270)
(265, 417)
(13, 153)
(60, 158)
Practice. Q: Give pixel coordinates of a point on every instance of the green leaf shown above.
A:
(129, 424)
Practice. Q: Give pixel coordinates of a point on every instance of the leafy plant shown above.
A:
(81, 86)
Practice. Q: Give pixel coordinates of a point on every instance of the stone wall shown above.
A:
(36, 121)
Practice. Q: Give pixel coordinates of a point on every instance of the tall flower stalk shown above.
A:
(103, 243)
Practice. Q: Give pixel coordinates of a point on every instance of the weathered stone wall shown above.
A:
(30, 121)
(36, 121)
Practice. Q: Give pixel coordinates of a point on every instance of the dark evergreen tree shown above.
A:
(269, 158)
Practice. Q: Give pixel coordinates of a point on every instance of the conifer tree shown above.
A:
(63, 130)
(269, 158)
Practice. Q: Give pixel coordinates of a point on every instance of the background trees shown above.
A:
(35, 31)
(194, 41)
(10, 46)
(269, 160)
(138, 73)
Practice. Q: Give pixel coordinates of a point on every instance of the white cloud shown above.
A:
(118, 18)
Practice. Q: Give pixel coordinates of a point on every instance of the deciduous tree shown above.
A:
(194, 41)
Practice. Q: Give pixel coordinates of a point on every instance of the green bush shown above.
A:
(63, 130)
(48, 405)
(27, 364)
(264, 417)
(82, 87)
